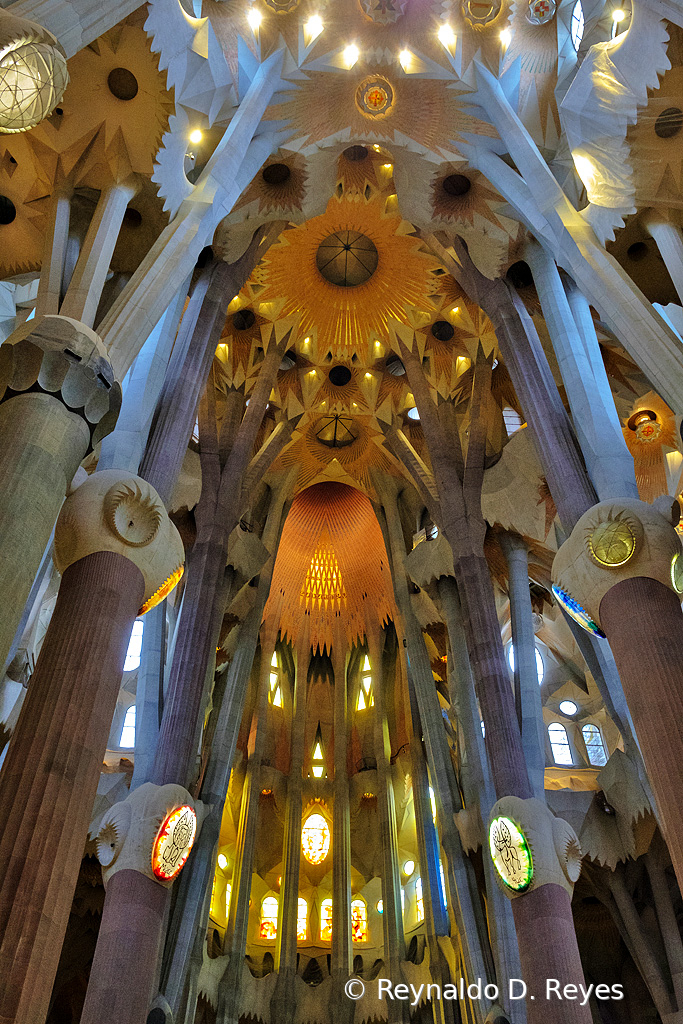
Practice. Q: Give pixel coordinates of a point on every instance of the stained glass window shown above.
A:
(228, 894)
(128, 730)
(419, 900)
(577, 24)
(512, 420)
(443, 884)
(315, 839)
(323, 586)
(326, 920)
(432, 801)
(540, 669)
(301, 920)
(359, 920)
(275, 694)
(134, 651)
(366, 698)
(559, 742)
(318, 759)
(268, 929)
(595, 747)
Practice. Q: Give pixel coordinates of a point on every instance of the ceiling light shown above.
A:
(618, 15)
(446, 35)
(196, 137)
(368, 376)
(455, 310)
(387, 167)
(506, 37)
(405, 58)
(568, 707)
(254, 18)
(314, 26)
(380, 906)
(408, 868)
(222, 861)
(351, 55)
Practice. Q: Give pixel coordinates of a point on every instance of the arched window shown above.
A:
(595, 747)
(559, 742)
(366, 697)
(443, 884)
(359, 920)
(128, 730)
(540, 668)
(301, 920)
(512, 420)
(315, 839)
(577, 25)
(275, 694)
(268, 929)
(419, 900)
(228, 894)
(326, 921)
(134, 647)
(318, 758)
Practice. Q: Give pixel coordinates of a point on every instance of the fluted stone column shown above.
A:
(50, 777)
(342, 948)
(527, 691)
(669, 239)
(57, 397)
(392, 911)
(283, 1002)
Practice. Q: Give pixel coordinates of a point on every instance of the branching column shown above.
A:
(669, 239)
(341, 847)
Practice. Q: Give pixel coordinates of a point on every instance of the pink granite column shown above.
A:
(644, 625)
(49, 779)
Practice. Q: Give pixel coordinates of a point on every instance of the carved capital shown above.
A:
(612, 542)
(152, 831)
(115, 511)
(57, 356)
(530, 847)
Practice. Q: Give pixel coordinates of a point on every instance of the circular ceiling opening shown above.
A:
(243, 319)
(8, 210)
(442, 330)
(669, 123)
(456, 185)
(637, 252)
(347, 259)
(519, 275)
(336, 431)
(276, 174)
(354, 154)
(339, 376)
(123, 84)
(132, 218)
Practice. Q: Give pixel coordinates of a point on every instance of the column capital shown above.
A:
(115, 511)
(615, 541)
(62, 358)
(530, 847)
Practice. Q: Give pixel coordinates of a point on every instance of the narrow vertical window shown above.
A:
(419, 900)
(275, 694)
(366, 698)
(512, 420)
(443, 884)
(559, 743)
(318, 758)
(228, 894)
(301, 920)
(577, 25)
(128, 730)
(268, 929)
(326, 920)
(359, 920)
(595, 747)
(134, 647)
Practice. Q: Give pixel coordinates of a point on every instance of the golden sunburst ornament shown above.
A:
(342, 319)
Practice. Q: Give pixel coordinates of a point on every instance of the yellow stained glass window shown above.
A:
(323, 586)
(228, 894)
(359, 920)
(326, 921)
(275, 693)
(301, 920)
(419, 900)
(366, 698)
(268, 929)
(315, 839)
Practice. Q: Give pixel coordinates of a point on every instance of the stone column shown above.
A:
(392, 912)
(669, 239)
(77, 23)
(342, 947)
(527, 691)
(51, 280)
(57, 398)
(597, 426)
(50, 777)
(283, 1002)
(621, 572)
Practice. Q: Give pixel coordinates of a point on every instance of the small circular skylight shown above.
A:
(347, 258)
(568, 707)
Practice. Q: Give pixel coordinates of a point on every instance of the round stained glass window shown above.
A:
(576, 612)
(315, 839)
(173, 842)
(510, 854)
(612, 544)
(677, 572)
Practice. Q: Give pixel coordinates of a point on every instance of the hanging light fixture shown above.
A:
(33, 73)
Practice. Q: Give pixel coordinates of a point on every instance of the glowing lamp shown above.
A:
(510, 854)
(196, 137)
(405, 58)
(314, 27)
(254, 19)
(33, 74)
(506, 37)
(351, 55)
(173, 842)
(618, 15)
(446, 36)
